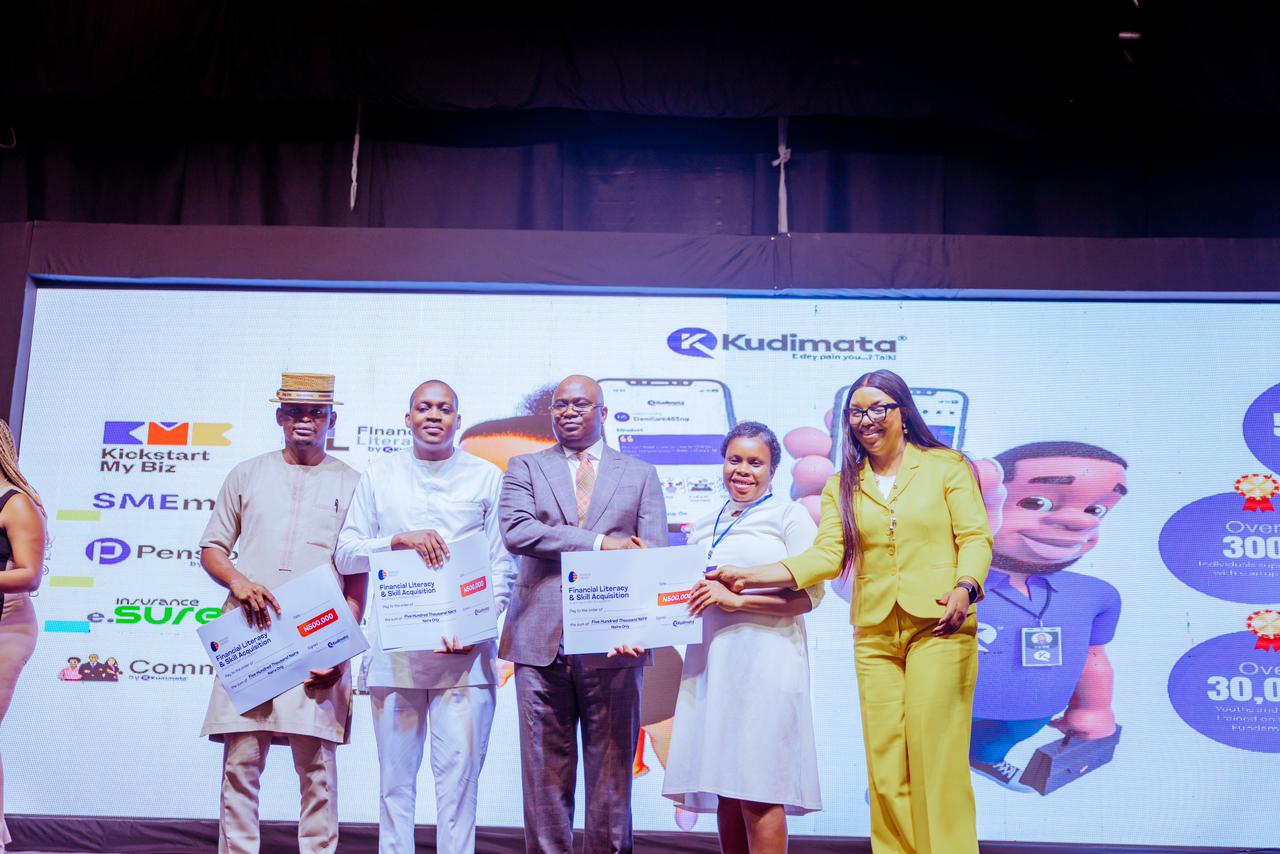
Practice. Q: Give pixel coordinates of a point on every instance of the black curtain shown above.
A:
(1008, 119)
(290, 164)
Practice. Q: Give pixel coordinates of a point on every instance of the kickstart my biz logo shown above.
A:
(150, 447)
(699, 343)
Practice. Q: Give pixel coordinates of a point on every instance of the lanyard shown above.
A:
(715, 540)
(1048, 597)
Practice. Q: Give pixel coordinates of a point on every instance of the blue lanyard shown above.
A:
(715, 541)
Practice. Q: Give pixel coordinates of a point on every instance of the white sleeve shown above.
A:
(359, 535)
(502, 564)
(798, 531)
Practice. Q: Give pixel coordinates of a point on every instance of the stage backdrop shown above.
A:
(1163, 566)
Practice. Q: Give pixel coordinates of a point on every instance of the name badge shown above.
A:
(1042, 646)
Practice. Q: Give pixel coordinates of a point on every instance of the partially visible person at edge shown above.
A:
(906, 518)
(22, 544)
(750, 674)
(281, 511)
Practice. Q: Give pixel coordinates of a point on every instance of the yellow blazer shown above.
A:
(941, 534)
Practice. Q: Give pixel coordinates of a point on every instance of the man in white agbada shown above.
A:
(422, 499)
(281, 512)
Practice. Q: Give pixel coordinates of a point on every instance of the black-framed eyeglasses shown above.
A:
(876, 413)
(578, 406)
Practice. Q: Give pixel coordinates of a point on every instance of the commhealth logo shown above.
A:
(692, 341)
(107, 551)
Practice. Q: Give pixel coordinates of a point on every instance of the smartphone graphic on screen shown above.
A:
(943, 409)
(677, 425)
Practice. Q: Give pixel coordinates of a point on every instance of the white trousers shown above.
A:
(459, 720)
(244, 755)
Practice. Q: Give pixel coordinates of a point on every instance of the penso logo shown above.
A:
(107, 550)
(202, 434)
(692, 341)
(213, 645)
(573, 576)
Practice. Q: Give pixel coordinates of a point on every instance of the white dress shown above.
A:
(744, 722)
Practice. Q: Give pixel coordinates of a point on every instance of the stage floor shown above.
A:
(89, 835)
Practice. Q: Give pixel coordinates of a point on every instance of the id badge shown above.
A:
(1042, 646)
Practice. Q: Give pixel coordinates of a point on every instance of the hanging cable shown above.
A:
(355, 156)
(784, 156)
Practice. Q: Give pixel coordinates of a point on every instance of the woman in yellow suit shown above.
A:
(905, 516)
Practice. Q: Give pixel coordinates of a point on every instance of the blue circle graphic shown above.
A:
(1229, 690)
(1262, 428)
(1217, 547)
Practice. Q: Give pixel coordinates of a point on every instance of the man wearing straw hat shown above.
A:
(282, 511)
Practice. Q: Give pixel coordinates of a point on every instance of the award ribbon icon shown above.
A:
(1266, 625)
(1257, 490)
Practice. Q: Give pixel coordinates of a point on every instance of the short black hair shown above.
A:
(753, 430)
(1040, 450)
(414, 394)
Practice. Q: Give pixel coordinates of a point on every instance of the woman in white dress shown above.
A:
(742, 745)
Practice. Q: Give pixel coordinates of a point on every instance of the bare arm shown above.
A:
(355, 588)
(1089, 714)
(254, 598)
(24, 526)
(741, 578)
(786, 603)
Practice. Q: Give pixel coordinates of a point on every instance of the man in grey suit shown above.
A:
(576, 496)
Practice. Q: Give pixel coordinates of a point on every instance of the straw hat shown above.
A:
(306, 388)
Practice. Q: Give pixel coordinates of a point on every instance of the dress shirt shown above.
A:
(1086, 609)
(596, 453)
(456, 498)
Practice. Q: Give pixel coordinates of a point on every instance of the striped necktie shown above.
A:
(583, 484)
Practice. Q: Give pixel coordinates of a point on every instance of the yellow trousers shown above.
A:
(916, 695)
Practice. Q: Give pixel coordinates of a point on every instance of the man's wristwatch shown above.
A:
(969, 588)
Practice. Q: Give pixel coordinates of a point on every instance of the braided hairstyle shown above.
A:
(9, 466)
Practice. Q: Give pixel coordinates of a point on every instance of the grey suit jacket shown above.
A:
(538, 512)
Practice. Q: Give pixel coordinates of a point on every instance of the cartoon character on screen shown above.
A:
(500, 439)
(71, 673)
(92, 670)
(1042, 630)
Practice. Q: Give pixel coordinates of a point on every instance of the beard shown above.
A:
(1005, 563)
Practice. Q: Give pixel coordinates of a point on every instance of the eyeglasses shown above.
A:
(876, 413)
(578, 406)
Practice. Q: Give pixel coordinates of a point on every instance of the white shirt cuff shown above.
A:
(599, 540)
